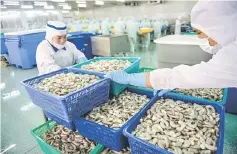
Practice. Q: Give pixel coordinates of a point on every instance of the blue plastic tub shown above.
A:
(64, 109)
(223, 102)
(3, 46)
(116, 88)
(74, 33)
(83, 42)
(78, 41)
(140, 146)
(22, 49)
(110, 138)
(231, 101)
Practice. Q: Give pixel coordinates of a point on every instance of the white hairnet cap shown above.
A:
(55, 28)
(217, 19)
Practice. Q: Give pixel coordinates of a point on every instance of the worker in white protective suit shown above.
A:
(91, 27)
(105, 27)
(97, 27)
(119, 27)
(166, 24)
(133, 30)
(85, 24)
(217, 30)
(157, 25)
(145, 23)
(79, 26)
(177, 30)
(112, 22)
(146, 38)
(127, 20)
(55, 52)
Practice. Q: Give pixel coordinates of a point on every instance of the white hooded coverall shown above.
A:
(133, 30)
(48, 57)
(157, 29)
(221, 70)
(119, 27)
(177, 30)
(105, 27)
(146, 39)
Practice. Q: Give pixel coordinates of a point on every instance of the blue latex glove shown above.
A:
(162, 92)
(82, 60)
(136, 79)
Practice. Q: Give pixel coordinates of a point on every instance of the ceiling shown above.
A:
(56, 3)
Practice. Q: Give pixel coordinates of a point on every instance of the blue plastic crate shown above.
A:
(116, 88)
(223, 102)
(3, 49)
(231, 101)
(22, 49)
(64, 109)
(140, 146)
(111, 138)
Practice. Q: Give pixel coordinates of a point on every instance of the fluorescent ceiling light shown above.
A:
(26, 6)
(11, 3)
(81, 2)
(41, 3)
(99, 3)
(120, 0)
(48, 7)
(81, 5)
(58, 0)
(62, 4)
(67, 7)
(3, 7)
(65, 11)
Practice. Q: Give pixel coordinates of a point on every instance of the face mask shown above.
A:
(208, 48)
(58, 46)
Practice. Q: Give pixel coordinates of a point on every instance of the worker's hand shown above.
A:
(119, 77)
(136, 79)
(82, 60)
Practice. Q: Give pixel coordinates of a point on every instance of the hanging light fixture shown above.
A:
(99, 3)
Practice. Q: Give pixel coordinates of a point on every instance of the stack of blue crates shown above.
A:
(22, 48)
(3, 46)
(83, 42)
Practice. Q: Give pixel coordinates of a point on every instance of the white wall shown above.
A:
(169, 10)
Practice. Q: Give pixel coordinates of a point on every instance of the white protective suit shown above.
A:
(119, 27)
(85, 24)
(221, 70)
(97, 27)
(133, 30)
(79, 26)
(146, 39)
(177, 30)
(91, 27)
(157, 25)
(127, 20)
(165, 23)
(105, 27)
(48, 57)
(145, 23)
